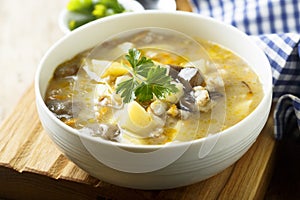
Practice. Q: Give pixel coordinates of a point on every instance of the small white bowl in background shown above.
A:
(65, 15)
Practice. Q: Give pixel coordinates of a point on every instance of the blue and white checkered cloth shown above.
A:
(275, 27)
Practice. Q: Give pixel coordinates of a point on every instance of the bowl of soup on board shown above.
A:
(149, 101)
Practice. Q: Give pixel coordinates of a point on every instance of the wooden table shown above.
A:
(31, 167)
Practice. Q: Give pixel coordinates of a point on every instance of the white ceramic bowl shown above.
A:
(155, 167)
(65, 15)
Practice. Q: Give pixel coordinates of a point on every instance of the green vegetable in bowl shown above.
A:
(84, 11)
(148, 80)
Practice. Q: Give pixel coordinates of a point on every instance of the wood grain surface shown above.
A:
(30, 164)
(25, 147)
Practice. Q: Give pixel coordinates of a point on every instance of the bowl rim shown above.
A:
(266, 100)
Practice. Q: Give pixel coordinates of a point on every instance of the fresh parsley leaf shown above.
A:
(143, 66)
(158, 75)
(133, 57)
(127, 88)
(144, 92)
(140, 65)
(160, 82)
(148, 80)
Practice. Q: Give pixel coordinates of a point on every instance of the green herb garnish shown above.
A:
(148, 80)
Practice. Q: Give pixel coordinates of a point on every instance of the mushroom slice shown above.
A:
(106, 131)
(192, 75)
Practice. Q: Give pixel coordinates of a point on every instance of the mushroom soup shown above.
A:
(153, 87)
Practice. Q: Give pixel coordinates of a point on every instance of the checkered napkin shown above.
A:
(275, 27)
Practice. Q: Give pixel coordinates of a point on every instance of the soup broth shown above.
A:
(113, 91)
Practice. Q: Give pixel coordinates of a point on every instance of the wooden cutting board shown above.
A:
(31, 165)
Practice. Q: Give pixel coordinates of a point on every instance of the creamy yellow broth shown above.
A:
(72, 93)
